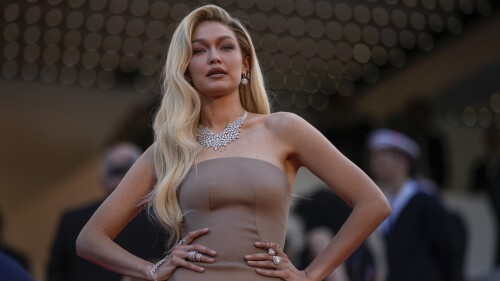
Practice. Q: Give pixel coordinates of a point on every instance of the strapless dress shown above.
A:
(242, 201)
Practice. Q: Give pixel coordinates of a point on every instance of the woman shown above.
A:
(226, 194)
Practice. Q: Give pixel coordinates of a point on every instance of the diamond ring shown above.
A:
(184, 241)
(193, 256)
(198, 256)
(276, 260)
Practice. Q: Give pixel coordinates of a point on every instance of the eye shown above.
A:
(198, 51)
(227, 47)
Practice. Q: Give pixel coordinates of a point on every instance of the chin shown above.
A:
(217, 91)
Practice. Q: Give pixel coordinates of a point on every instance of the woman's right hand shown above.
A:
(179, 256)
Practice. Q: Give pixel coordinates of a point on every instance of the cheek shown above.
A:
(196, 64)
(192, 67)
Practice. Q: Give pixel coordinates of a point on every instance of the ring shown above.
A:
(198, 257)
(183, 240)
(271, 252)
(276, 244)
(276, 260)
(193, 256)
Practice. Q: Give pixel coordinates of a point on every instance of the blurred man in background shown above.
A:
(140, 237)
(423, 240)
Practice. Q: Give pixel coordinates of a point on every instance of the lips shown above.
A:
(216, 70)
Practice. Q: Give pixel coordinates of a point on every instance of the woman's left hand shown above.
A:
(274, 263)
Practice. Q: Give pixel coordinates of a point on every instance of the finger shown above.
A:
(268, 244)
(271, 273)
(203, 258)
(183, 254)
(183, 263)
(206, 259)
(262, 264)
(195, 234)
(258, 257)
(182, 242)
(201, 249)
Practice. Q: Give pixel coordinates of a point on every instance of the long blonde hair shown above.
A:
(178, 117)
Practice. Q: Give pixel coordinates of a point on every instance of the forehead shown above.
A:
(212, 30)
(385, 152)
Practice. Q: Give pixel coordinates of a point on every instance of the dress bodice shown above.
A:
(242, 201)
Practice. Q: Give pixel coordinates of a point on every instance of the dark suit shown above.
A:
(419, 244)
(139, 237)
(11, 270)
(15, 255)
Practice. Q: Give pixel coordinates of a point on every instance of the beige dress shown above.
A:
(242, 201)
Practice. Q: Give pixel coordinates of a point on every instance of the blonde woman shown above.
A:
(219, 176)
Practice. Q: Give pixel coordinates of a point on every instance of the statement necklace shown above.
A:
(207, 138)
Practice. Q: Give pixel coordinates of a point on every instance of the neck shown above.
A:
(217, 113)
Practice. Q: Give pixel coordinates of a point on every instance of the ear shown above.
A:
(245, 68)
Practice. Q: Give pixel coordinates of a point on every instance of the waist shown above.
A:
(232, 243)
(233, 236)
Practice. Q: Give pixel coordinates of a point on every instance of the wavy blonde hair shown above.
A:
(178, 116)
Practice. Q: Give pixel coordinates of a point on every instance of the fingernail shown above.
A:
(247, 257)
(205, 229)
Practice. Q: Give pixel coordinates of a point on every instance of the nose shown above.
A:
(214, 57)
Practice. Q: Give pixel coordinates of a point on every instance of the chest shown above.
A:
(234, 181)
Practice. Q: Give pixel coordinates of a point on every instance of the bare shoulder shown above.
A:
(286, 124)
(284, 121)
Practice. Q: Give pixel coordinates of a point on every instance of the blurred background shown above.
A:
(77, 75)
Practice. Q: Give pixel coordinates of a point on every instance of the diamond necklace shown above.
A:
(207, 138)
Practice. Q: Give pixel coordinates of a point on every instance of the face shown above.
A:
(385, 164)
(217, 62)
(117, 163)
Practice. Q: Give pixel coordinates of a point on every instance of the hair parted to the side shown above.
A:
(177, 119)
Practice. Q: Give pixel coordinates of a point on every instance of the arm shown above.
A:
(95, 242)
(310, 149)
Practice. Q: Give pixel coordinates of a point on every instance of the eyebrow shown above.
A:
(221, 38)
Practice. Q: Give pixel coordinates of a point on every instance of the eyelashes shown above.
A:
(198, 51)
(225, 47)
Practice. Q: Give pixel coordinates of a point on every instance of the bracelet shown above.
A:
(155, 267)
